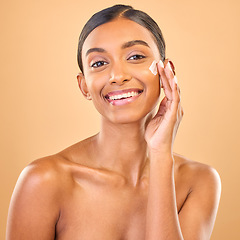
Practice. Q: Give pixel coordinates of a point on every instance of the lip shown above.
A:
(123, 101)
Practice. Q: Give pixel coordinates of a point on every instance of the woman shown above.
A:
(124, 182)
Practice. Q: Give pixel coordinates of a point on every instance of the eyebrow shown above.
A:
(124, 46)
(95, 50)
(134, 42)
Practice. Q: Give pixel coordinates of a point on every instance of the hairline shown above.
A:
(160, 44)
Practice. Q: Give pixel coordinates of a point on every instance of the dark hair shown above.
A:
(124, 11)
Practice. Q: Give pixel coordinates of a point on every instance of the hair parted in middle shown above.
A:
(121, 11)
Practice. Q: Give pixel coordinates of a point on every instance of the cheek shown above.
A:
(149, 80)
(95, 83)
(152, 88)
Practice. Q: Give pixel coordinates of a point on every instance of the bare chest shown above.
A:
(102, 211)
(95, 211)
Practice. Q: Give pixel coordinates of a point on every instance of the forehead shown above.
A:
(117, 32)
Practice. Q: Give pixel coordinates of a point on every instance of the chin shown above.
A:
(130, 117)
(137, 112)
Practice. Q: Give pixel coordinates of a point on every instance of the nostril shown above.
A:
(119, 79)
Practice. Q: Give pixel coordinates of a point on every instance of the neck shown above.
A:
(122, 148)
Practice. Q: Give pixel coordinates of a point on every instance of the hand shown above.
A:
(161, 130)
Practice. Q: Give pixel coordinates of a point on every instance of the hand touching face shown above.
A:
(162, 129)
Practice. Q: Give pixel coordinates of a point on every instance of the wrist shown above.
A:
(161, 156)
(161, 152)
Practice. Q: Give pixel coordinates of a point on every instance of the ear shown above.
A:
(171, 64)
(83, 86)
(165, 62)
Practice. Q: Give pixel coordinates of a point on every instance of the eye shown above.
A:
(136, 57)
(98, 64)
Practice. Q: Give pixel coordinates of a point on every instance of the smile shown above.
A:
(123, 96)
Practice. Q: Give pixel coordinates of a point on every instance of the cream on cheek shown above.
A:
(154, 71)
(147, 74)
(153, 67)
(155, 84)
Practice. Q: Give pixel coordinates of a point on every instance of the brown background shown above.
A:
(42, 110)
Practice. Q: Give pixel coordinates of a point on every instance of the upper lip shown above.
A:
(119, 92)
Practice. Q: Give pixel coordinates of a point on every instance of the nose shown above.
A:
(119, 74)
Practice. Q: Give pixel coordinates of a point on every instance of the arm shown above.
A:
(34, 207)
(197, 216)
(162, 215)
(199, 212)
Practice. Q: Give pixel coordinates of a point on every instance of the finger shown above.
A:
(172, 91)
(170, 75)
(172, 66)
(174, 82)
(176, 101)
(165, 80)
(180, 112)
(179, 91)
(162, 108)
(171, 80)
(175, 96)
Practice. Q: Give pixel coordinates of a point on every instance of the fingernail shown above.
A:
(161, 63)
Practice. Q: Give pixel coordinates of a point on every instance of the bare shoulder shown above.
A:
(197, 173)
(57, 169)
(54, 174)
(200, 206)
(41, 180)
(45, 172)
(36, 201)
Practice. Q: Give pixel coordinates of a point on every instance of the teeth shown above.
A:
(124, 95)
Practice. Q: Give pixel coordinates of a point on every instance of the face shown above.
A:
(116, 59)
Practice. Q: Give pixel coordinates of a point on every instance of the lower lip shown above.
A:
(123, 101)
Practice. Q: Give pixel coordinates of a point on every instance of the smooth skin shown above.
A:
(125, 182)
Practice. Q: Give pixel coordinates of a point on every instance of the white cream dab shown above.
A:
(153, 67)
